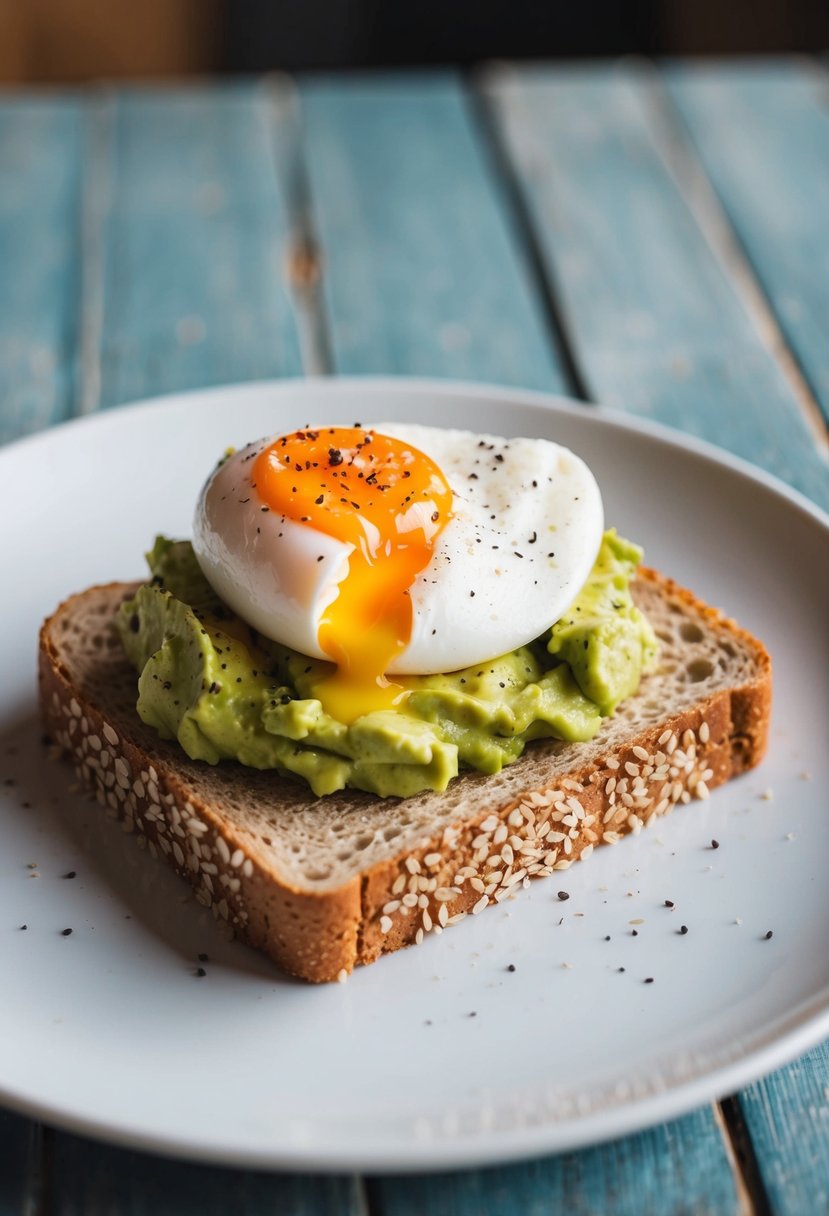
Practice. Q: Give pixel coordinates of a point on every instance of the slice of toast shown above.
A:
(324, 884)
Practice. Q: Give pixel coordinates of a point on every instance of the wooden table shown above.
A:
(657, 240)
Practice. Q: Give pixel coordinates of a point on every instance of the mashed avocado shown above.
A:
(226, 692)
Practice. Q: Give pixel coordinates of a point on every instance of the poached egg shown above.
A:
(397, 550)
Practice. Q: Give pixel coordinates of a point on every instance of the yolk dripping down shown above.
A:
(391, 502)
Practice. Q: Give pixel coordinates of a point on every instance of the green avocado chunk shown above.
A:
(225, 692)
(603, 638)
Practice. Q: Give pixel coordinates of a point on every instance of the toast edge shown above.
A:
(545, 830)
(310, 936)
(321, 936)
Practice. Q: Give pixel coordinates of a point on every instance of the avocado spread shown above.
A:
(226, 692)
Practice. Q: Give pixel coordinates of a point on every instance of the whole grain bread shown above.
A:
(324, 884)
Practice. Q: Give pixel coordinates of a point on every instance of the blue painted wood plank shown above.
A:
(787, 1116)
(423, 272)
(183, 232)
(187, 245)
(18, 1158)
(657, 324)
(762, 132)
(150, 1181)
(40, 140)
(95, 1181)
(677, 1168)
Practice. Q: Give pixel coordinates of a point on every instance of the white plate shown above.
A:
(109, 1032)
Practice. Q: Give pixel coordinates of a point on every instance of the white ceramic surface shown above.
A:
(438, 1055)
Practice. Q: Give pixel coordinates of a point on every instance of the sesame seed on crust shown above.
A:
(466, 866)
(587, 810)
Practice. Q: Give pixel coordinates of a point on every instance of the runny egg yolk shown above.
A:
(391, 502)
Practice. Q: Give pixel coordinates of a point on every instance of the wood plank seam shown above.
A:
(96, 202)
(658, 324)
(754, 1200)
(674, 146)
(39, 1197)
(761, 128)
(423, 274)
(483, 117)
(362, 1197)
(304, 263)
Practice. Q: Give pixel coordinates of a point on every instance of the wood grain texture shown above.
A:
(787, 1116)
(423, 273)
(656, 322)
(415, 237)
(678, 1168)
(762, 132)
(184, 232)
(40, 142)
(19, 1185)
(88, 1180)
(185, 245)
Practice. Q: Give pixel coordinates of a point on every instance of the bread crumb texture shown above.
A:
(324, 884)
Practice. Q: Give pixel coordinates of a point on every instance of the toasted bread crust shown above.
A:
(308, 937)
(481, 858)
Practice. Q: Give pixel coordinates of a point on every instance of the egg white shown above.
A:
(526, 528)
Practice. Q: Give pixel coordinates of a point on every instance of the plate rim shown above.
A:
(550, 401)
(805, 1026)
(477, 1151)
